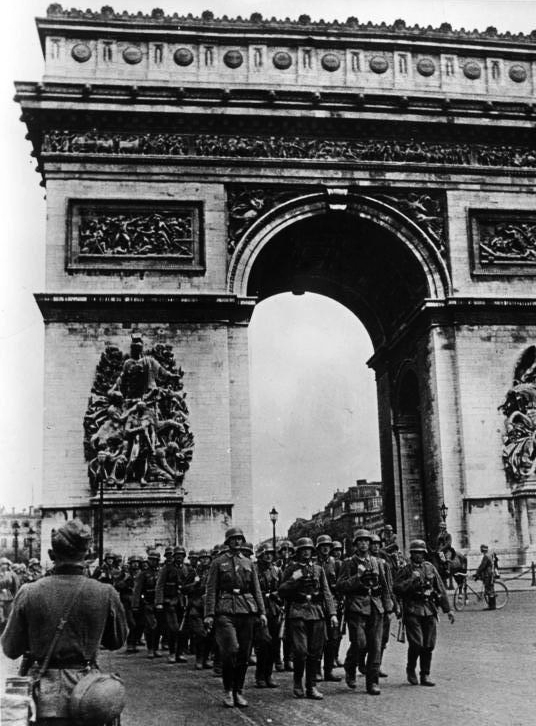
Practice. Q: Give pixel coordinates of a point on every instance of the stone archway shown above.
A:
(373, 259)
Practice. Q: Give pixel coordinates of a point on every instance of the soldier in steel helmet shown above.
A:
(233, 601)
(267, 645)
(105, 573)
(336, 553)
(170, 598)
(285, 554)
(194, 589)
(368, 597)
(143, 596)
(422, 592)
(124, 585)
(385, 562)
(305, 587)
(327, 562)
(95, 618)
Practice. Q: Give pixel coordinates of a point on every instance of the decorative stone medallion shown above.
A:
(282, 60)
(426, 67)
(132, 55)
(518, 73)
(331, 62)
(233, 59)
(472, 70)
(378, 64)
(183, 57)
(81, 52)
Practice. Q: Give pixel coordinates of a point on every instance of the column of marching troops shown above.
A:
(287, 611)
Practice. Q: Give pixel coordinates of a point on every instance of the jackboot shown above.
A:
(239, 700)
(297, 689)
(228, 699)
(426, 681)
(492, 603)
(373, 688)
(311, 691)
(349, 676)
(331, 677)
(412, 676)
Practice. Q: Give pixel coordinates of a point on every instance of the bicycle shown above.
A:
(465, 597)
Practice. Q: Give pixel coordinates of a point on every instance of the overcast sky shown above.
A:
(313, 398)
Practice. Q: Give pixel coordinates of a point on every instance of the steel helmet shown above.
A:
(203, 553)
(265, 549)
(247, 546)
(168, 551)
(33, 561)
(375, 538)
(362, 534)
(179, 551)
(134, 558)
(234, 532)
(153, 553)
(285, 543)
(418, 545)
(97, 698)
(323, 539)
(336, 545)
(304, 542)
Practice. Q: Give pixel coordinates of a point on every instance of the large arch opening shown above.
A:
(365, 267)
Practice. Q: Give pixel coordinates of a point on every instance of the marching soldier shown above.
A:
(106, 572)
(306, 589)
(247, 550)
(486, 573)
(144, 594)
(368, 597)
(194, 588)
(336, 553)
(421, 589)
(285, 553)
(125, 587)
(268, 640)
(233, 599)
(384, 562)
(324, 544)
(170, 598)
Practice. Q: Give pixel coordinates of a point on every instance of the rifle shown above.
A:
(401, 633)
(282, 625)
(184, 620)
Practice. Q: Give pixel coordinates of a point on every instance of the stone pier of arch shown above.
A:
(195, 168)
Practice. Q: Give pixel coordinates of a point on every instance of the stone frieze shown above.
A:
(360, 150)
(503, 242)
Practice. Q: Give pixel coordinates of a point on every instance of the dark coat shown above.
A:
(309, 597)
(421, 589)
(363, 580)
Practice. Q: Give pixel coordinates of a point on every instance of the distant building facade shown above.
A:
(360, 506)
(20, 534)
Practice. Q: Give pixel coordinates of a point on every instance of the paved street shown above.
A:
(484, 669)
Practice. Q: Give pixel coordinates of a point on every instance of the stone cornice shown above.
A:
(304, 25)
(194, 307)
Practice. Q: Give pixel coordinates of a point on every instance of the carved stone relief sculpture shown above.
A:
(519, 408)
(136, 430)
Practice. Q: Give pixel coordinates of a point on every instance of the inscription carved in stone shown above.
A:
(136, 430)
(294, 147)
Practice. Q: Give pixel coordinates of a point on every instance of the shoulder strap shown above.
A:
(59, 628)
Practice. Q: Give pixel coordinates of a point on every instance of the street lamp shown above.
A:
(444, 511)
(274, 514)
(30, 539)
(15, 527)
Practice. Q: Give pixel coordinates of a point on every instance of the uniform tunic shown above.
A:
(97, 618)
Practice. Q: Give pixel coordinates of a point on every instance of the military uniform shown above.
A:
(267, 645)
(169, 595)
(124, 585)
(331, 569)
(194, 589)
(233, 599)
(310, 602)
(96, 618)
(368, 598)
(421, 590)
(143, 595)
